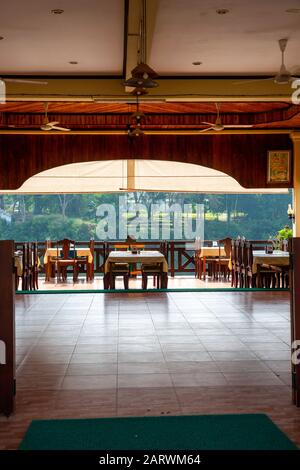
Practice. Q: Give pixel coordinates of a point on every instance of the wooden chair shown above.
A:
(238, 263)
(267, 276)
(198, 263)
(210, 261)
(83, 262)
(155, 270)
(223, 261)
(18, 261)
(119, 269)
(34, 267)
(233, 264)
(67, 258)
(241, 256)
(250, 277)
(25, 272)
(164, 250)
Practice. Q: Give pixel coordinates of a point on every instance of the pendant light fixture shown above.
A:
(142, 75)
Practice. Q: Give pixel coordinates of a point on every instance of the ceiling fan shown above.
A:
(3, 82)
(284, 76)
(218, 126)
(134, 127)
(142, 75)
(48, 126)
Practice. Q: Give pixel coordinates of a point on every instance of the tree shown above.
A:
(64, 201)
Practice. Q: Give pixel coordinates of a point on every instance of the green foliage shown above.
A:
(285, 233)
(74, 215)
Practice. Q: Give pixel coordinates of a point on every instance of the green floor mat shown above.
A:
(204, 432)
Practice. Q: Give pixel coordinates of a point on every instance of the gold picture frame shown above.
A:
(279, 166)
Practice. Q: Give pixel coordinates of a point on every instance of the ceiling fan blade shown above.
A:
(23, 80)
(237, 126)
(60, 128)
(53, 123)
(208, 123)
(207, 129)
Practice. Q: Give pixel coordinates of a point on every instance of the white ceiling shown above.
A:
(36, 41)
(244, 41)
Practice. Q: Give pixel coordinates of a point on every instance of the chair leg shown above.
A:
(75, 272)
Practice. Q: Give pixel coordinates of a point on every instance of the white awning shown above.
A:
(134, 175)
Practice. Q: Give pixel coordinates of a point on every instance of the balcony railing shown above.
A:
(179, 256)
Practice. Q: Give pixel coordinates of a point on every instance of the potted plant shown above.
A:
(282, 238)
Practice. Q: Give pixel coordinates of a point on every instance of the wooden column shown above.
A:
(7, 328)
(296, 173)
(295, 318)
(131, 174)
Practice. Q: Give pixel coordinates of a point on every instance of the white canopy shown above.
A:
(134, 175)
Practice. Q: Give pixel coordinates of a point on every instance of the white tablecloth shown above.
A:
(52, 252)
(277, 258)
(212, 251)
(142, 257)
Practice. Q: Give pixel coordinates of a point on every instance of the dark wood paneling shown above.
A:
(295, 316)
(151, 121)
(99, 116)
(243, 156)
(7, 327)
(77, 107)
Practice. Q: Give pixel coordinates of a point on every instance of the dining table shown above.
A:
(52, 253)
(276, 258)
(210, 252)
(144, 257)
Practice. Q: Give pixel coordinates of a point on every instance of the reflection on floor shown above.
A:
(96, 355)
(178, 282)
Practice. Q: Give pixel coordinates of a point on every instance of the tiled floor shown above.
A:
(93, 355)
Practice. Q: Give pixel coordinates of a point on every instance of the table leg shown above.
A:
(164, 280)
(204, 267)
(47, 271)
(106, 279)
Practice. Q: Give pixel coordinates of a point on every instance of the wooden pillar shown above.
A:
(295, 318)
(7, 328)
(131, 174)
(295, 136)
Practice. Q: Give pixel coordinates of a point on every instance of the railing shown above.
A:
(180, 259)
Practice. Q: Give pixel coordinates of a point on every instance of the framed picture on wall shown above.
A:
(279, 162)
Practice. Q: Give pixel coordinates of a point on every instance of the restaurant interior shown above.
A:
(168, 97)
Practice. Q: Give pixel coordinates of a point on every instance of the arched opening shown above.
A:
(135, 175)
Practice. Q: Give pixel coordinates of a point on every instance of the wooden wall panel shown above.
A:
(295, 318)
(7, 327)
(241, 156)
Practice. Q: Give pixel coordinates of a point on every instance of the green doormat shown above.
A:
(207, 432)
